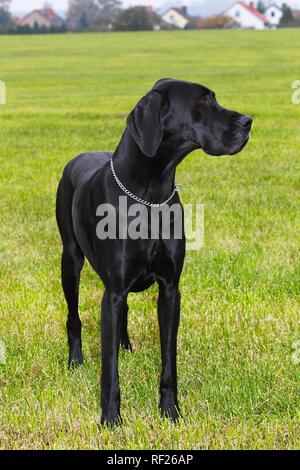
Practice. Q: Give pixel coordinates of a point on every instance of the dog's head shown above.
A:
(190, 114)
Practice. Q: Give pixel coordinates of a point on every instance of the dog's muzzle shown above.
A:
(237, 137)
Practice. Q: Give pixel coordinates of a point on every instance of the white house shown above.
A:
(273, 14)
(177, 17)
(246, 15)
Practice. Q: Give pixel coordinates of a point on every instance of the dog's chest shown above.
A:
(146, 273)
(156, 264)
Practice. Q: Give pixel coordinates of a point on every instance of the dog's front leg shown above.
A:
(168, 314)
(112, 309)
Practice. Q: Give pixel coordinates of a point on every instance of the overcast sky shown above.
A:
(208, 6)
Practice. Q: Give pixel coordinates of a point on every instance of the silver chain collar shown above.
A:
(136, 198)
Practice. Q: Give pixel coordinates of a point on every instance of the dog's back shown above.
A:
(82, 167)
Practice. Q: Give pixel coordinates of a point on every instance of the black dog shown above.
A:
(172, 120)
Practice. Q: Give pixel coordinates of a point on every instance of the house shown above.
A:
(247, 15)
(45, 17)
(177, 17)
(273, 14)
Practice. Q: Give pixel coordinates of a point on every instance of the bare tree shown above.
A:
(86, 14)
(109, 9)
(5, 16)
(82, 13)
(5, 4)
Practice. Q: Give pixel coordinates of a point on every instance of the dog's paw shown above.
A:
(111, 421)
(73, 363)
(126, 345)
(75, 355)
(75, 360)
(171, 412)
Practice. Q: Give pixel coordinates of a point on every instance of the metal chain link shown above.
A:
(136, 198)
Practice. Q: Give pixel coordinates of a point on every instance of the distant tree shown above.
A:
(5, 4)
(287, 17)
(5, 17)
(261, 7)
(83, 22)
(109, 10)
(82, 14)
(92, 14)
(137, 18)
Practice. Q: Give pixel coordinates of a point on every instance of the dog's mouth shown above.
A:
(236, 145)
(237, 148)
(236, 140)
(229, 142)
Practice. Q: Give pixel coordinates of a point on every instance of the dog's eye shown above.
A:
(208, 98)
(203, 100)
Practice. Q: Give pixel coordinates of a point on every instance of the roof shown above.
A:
(47, 13)
(180, 11)
(254, 12)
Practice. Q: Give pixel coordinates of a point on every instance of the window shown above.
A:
(273, 13)
(237, 14)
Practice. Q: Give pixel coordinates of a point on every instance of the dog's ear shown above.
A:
(144, 123)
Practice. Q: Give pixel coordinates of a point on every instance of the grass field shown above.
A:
(238, 385)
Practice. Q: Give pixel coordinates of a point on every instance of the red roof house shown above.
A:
(45, 17)
(247, 15)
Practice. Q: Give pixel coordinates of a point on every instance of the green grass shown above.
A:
(238, 386)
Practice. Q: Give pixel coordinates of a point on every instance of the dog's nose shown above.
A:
(246, 122)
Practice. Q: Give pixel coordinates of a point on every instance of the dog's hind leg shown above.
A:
(71, 266)
(125, 342)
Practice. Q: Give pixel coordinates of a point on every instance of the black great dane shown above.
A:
(172, 120)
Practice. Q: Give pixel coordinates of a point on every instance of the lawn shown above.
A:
(238, 383)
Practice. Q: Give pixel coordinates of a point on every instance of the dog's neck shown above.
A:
(152, 179)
